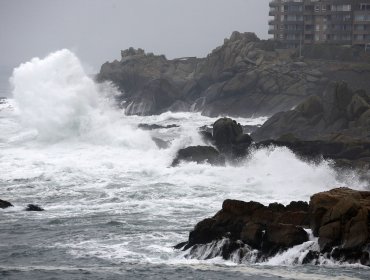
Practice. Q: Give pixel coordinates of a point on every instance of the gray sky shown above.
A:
(98, 29)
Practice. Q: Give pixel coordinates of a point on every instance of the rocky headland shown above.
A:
(337, 220)
(245, 77)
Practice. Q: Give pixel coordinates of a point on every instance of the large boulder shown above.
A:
(199, 154)
(229, 138)
(254, 225)
(340, 218)
(226, 131)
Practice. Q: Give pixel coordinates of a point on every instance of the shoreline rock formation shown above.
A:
(244, 77)
(5, 204)
(339, 115)
(339, 218)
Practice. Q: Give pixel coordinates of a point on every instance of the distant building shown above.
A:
(345, 22)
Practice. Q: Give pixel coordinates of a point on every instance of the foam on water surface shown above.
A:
(109, 192)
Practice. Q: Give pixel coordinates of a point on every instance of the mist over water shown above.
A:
(110, 195)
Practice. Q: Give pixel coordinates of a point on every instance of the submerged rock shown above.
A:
(161, 144)
(146, 126)
(199, 154)
(33, 207)
(5, 204)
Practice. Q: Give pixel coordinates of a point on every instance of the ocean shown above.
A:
(114, 206)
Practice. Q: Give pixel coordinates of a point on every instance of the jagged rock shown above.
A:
(5, 204)
(340, 218)
(249, 224)
(155, 97)
(33, 207)
(199, 154)
(245, 76)
(339, 111)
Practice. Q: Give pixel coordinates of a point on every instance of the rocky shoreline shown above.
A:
(339, 218)
(245, 77)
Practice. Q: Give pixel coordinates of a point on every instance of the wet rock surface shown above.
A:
(338, 115)
(261, 227)
(340, 218)
(34, 207)
(199, 154)
(245, 77)
(146, 126)
(5, 204)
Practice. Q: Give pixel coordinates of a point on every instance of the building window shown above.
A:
(365, 7)
(341, 8)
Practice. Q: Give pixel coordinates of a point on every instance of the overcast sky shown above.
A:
(98, 29)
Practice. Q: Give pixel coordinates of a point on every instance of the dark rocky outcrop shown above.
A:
(262, 227)
(34, 207)
(245, 76)
(5, 204)
(146, 126)
(340, 218)
(227, 136)
(339, 114)
(199, 154)
(345, 154)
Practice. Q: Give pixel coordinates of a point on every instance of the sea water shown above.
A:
(114, 206)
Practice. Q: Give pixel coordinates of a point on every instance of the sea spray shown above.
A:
(111, 197)
(60, 101)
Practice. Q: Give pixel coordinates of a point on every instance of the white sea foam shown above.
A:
(64, 146)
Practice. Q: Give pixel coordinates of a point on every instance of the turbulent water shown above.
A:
(114, 206)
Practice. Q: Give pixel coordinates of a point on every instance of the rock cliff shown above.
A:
(339, 114)
(245, 76)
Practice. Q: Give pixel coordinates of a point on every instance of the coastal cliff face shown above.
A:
(340, 114)
(245, 77)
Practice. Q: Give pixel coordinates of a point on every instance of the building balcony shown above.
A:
(362, 32)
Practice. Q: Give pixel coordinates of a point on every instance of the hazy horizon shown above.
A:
(97, 30)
